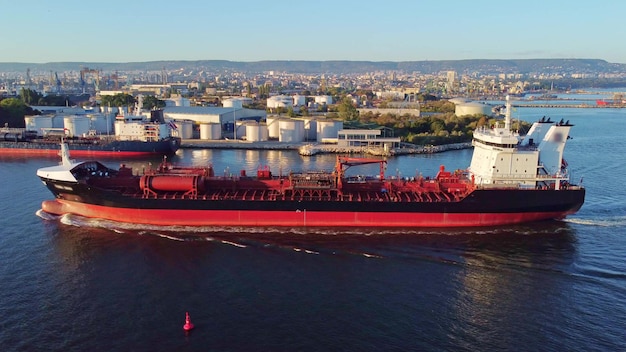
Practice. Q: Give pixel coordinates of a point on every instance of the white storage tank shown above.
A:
(256, 132)
(241, 129)
(210, 131)
(38, 123)
(232, 103)
(472, 108)
(310, 128)
(101, 123)
(273, 127)
(299, 100)
(279, 101)
(291, 131)
(76, 126)
(58, 121)
(328, 128)
(184, 129)
(324, 99)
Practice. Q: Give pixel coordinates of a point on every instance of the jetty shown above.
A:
(310, 148)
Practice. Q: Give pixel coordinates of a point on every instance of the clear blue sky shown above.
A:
(40, 31)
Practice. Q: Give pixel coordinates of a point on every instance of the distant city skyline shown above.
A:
(138, 31)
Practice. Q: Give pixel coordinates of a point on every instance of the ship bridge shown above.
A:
(502, 159)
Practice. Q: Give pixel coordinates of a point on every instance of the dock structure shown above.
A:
(566, 106)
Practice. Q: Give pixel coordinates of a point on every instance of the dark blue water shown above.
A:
(73, 284)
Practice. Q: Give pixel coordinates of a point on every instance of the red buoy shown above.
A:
(188, 325)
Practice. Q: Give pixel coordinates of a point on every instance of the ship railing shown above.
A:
(518, 177)
(12, 130)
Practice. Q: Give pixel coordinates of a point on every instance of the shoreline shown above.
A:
(309, 148)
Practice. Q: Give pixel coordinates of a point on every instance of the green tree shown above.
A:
(121, 99)
(347, 111)
(150, 102)
(12, 112)
(29, 96)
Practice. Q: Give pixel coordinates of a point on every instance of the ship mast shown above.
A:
(507, 115)
(65, 154)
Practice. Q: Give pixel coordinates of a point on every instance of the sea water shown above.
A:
(74, 284)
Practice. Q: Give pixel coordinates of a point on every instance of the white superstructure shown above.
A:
(503, 159)
(138, 127)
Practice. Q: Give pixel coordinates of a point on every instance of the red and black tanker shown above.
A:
(511, 180)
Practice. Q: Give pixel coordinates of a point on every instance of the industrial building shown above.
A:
(366, 138)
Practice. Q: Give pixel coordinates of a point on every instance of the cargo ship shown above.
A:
(511, 179)
(134, 135)
(24, 142)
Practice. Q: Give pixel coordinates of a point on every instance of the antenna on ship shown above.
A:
(507, 115)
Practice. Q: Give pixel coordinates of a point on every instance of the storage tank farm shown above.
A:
(210, 131)
(291, 131)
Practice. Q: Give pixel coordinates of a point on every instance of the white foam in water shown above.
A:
(46, 216)
(616, 221)
(234, 244)
(69, 219)
(166, 236)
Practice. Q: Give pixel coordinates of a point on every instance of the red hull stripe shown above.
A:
(74, 152)
(165, 217)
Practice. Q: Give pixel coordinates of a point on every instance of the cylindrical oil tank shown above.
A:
(76, 126)
(241, 129)
(277, 101)
(472, 108)
(324, 99)
(210, 131)
(172, 183)
(299, 100)
(310, 128)
(184, 129)
(38, 123)
(256, 132)
(58, 121)
(291, 131)
(328, 128)
(101, 123)
(273, 127)
(232, 103)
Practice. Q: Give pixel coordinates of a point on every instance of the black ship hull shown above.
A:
(92, 147)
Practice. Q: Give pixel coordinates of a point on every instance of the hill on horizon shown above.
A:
(483, 66)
